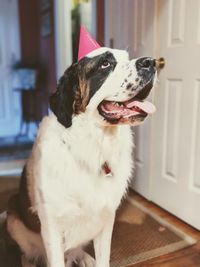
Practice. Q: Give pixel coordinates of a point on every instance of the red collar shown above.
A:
(106, 169)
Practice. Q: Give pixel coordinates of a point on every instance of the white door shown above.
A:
(168, 144)
(9, 53)
(175, 179)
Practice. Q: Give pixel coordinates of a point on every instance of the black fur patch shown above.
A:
(61, 102)
(88, 71)
(97, 74)
(30, 219)
(129, 85)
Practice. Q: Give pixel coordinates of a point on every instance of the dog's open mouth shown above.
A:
(134, 108)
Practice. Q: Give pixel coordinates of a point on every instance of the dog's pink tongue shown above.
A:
(145, 106)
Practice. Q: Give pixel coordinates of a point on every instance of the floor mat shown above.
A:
(140, 235)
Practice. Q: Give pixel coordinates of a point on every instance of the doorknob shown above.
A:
(160, 63)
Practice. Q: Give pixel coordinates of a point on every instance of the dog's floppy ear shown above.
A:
(61, 102)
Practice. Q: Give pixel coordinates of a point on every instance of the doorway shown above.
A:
(10, 53)
(27, 76)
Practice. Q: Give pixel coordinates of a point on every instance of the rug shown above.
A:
(138, 234)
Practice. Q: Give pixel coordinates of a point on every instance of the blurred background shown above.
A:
(38, 41)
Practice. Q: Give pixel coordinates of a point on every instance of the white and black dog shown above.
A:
(81, 161)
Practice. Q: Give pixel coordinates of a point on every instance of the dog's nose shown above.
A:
(145, 63)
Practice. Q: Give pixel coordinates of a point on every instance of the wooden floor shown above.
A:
(189, 257)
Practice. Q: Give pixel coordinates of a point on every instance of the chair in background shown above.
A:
(33, 99)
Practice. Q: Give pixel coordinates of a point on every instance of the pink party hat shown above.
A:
(86, 43)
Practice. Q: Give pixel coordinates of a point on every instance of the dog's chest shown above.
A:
(91, 184)
(68, 174)
(85, 217)
(89, 209)
(75, 184)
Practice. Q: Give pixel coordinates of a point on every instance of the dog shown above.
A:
(81, 163)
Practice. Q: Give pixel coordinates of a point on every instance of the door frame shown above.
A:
(63, 32)
(62, 25)
(100, 21)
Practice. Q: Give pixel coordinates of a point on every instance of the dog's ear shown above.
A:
(61, 102)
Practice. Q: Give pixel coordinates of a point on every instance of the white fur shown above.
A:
(120, 55)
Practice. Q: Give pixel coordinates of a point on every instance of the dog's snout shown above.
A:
(145, 63)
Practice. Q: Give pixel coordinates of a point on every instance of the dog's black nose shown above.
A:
(145, 63)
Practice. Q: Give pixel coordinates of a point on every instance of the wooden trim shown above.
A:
(100, 21)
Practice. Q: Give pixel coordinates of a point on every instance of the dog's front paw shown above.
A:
(87, 261)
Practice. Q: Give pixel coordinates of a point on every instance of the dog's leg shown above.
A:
(80, 258)
(52, 238)
(86, 260)
(102, 244)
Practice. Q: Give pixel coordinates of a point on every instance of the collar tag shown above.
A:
(106, 169)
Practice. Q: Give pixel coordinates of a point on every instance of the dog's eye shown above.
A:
(105, 64)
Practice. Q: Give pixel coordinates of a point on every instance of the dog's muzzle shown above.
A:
(135, 107)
